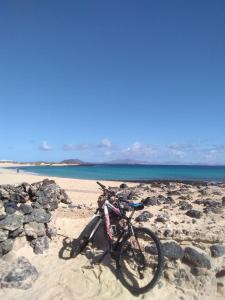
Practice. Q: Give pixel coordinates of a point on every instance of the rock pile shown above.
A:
(25, 209)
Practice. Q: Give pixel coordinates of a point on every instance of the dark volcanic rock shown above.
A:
(17, 232)
(184, 205)
(2, 210)
(34, 229)
(196, 259)
(38, 215)
(3, 235)
(196, 271)
(12, 222)
(64, 198)
(223, 201)
(173, 193)
(4, 194)
(144, 216)
(6, 246)
(169, 200)
(217, 250)
(220, 274)
(161, 218)
(123, 186)
(47, 182)
(173, 250)
(51, 230)
(20, 274)
(40, 244)
(194, 214)
(26, 209)
(18, 217)
(151, 201)
(210, 205)
(10, 207)
(25, 186)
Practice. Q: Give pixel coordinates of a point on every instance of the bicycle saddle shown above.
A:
(136, 206)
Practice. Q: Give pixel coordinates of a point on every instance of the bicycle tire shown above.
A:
(84, 237)
(121, 272)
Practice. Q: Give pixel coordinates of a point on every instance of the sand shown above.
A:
(78, 278)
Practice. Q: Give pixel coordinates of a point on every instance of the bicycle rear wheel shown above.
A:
(140, 260)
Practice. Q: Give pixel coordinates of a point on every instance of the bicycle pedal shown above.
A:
(114, 230)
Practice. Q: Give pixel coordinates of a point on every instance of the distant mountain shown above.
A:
(75, 161)
(126, 162)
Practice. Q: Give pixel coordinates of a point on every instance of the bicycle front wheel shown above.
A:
(140, 260)
(85, 237)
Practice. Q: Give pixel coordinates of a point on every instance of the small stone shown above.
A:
(38, 215)
(17, 232)
(196, 259)
(123, 186)
(51, 229)
(184, 205)
(34, 229)
(26, 209)
(6, 246)
(40, 244)
(172, 250)
(149, 201)
(3, 235)
(21, 275)
(25, 186)
(220, 274)
(194, 213)
(168, 232)
(161, 219)
(223, 201)
(4, 194)
(196, 271)
(144, 216)
(2, 210)
(12, 222)
(217, 250)
(169, 200)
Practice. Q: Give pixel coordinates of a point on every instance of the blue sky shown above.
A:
(100, 80)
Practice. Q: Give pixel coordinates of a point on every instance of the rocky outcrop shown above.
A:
(26, 210)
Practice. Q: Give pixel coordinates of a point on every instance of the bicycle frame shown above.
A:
(105, 215)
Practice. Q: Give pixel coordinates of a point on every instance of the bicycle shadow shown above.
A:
(93, 253)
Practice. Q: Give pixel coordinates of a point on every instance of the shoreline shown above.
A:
(144, 181)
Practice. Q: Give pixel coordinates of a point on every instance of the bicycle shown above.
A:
(136, 250)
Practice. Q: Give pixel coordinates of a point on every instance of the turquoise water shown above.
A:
(132, 172)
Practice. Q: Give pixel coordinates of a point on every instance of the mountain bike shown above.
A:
(137, 251)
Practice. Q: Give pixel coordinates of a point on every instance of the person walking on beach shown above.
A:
(17, 170)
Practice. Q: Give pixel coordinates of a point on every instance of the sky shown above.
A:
(103, 80)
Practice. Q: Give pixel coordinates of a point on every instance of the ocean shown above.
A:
(133, 172)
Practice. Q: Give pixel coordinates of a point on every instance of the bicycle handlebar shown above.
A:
(101, 185)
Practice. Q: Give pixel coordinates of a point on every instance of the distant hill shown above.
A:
(74, 161)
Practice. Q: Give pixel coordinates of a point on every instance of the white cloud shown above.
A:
(45, 146)
(105, 143)
(186, 152)
(139, 151)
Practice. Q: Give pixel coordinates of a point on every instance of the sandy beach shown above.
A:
(79, 278)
